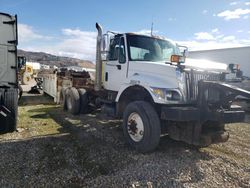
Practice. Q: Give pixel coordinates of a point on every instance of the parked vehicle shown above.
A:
(28, 72)
(8, 73)
(235, 74)
(147, 81)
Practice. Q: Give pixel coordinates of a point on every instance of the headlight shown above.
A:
(159, 93)
(172, 95)
(166, 94)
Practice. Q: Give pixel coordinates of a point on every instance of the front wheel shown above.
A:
(141, 126)
(26, 78)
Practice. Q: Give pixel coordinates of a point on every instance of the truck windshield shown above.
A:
(144, 48)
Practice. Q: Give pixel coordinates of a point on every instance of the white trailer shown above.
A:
(238, 55)
(8, 73)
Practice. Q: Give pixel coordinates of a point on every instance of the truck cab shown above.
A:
(156, 89)
(142, 60)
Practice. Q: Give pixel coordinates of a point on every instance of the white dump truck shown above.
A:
(148, 82)
(8, 72)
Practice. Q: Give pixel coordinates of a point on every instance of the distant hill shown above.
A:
(52, 60)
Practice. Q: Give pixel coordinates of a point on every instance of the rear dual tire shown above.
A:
(10, 101)
(74, 100)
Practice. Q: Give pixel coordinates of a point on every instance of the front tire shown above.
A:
(26, 78)
(141, 126)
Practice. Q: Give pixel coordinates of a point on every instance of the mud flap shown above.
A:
(5, 117)
(192, 133)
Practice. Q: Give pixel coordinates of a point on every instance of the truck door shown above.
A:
(115, 70)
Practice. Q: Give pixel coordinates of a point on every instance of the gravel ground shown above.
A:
(55, 149)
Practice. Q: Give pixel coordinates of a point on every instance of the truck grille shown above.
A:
(192, 78)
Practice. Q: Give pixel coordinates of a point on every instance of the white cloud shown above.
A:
(247, 3)
(146, 32)
(204, 11)
(240, 31)
(208, 45)
(204, 36)
(27, 33)
(213, 40)
(215, 30)
(235, 14)
(234, 3)
(229, 38)
(72, 42)
(78, 44)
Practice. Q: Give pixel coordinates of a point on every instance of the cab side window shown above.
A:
(114, 49)
(117, 50)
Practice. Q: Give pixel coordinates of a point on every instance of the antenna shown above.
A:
(152, 26)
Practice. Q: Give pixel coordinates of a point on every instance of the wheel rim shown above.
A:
(135, 127)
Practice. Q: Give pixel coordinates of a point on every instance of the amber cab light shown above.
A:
(175, 58)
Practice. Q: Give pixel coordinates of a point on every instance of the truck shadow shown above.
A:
(88, 148)
(35, 99)
(103, 133)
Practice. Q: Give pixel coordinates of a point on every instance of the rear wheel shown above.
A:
(141, 126)
(63, 98)
(84, 101)
(11, 103)
(73, 101)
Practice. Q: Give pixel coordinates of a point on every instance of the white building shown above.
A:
(240, 55)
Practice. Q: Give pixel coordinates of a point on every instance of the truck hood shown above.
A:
(205, 65)
(156, 74)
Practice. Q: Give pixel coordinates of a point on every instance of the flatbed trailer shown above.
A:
(56, 82)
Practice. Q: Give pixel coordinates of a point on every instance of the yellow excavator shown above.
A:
(27, 72)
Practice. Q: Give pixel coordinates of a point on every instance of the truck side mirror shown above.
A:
(185, 53)
(183, 50)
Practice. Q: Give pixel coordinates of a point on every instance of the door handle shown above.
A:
(119, 67)
(106, 76)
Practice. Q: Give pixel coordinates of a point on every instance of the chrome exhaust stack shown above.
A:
(98, 74)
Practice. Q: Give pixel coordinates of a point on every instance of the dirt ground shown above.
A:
(55, 149)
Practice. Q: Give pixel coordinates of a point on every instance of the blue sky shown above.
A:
(68, 27)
